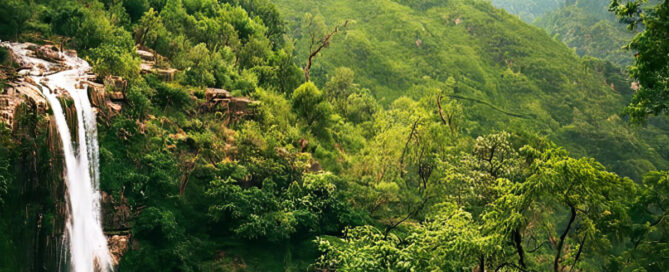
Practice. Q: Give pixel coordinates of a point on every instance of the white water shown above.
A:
(87, 242)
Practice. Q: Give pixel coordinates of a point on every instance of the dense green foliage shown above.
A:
(651, 66)
(507, 75)
(395, 158)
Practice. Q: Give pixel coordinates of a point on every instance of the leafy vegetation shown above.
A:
(507, 75)
(586, 26)
(428, 139)
(590, 29)
(650, 68)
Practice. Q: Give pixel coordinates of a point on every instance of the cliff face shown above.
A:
(34, 208)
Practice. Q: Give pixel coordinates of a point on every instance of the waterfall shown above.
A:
(88, 249)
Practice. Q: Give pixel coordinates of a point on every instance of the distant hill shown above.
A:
(584, 25)
(590, 29)
(528, 10)
(509, 75)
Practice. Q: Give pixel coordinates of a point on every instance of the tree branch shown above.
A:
(572, 217)
(447, 121)
(323, 43)
(414, 212)
(406, 146)
(578, 254)
(539, 247)
(517, 242)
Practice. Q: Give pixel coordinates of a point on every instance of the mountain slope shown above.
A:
(586, 26)
(590, 29)
(528, 11)
(509, 75)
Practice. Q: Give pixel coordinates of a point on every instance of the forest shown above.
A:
(334, 135)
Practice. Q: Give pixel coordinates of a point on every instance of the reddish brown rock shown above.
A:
(49, 53)
(118, 246)
(213, 93)
(153, 62)
(14, 95)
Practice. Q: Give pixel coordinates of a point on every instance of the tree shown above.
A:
(309, 104)
(13, 15)
(146, 27)
(339, 86)
(651, 67)
(136, 8)
(198, 63)
(270, 16)
(318, 40)
(448, 240)
(361, 107)
(648, 234)
(116, 57)
(577, 201)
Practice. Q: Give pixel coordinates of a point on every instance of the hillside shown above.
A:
(586, 26)
(528, 11)
(590, 29)
(509, 75)
(317, 135)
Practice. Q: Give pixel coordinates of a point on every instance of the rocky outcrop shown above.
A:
(214, 95)
(118, 246)
(117, 218)
(153, 62)
(219, 100)
(101, 100)
(16, 94)
(49, 53)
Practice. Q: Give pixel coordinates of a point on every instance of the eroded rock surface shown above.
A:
(106, 97)
(153, 62)
(118, 246)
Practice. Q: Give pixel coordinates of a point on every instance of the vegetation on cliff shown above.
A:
(425, 140)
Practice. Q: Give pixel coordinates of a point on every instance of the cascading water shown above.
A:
(87, 243)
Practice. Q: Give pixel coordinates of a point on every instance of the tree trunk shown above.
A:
(323, 44)
(481, 264)
(572, 217)
(517, 242)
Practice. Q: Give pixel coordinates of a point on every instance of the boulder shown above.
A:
(145, 55)
(166, 74)
(118, 246)
(101, 99)
(14, 95)
(49, 53)
(146, 66)
(114, 107)
(153, 62)
(117, 96)
(212, 93)
(239, 104)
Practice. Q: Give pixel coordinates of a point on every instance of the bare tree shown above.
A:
(316, 45)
